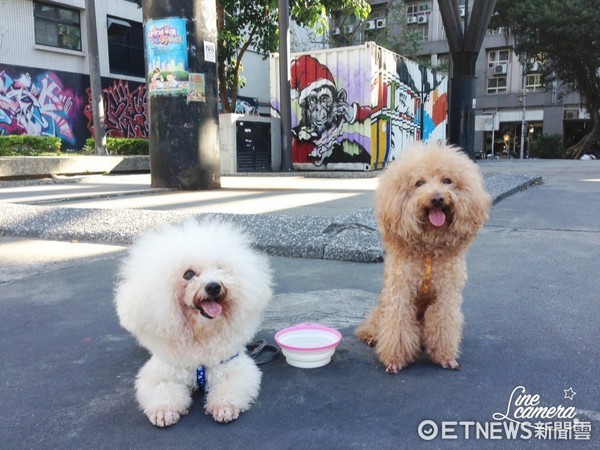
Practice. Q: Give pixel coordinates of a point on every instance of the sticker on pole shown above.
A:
(210, 52)
(197, 91)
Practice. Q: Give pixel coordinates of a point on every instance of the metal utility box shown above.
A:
(253, 146)
(356, 108)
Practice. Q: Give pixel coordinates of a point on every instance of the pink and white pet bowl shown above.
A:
(308, 345)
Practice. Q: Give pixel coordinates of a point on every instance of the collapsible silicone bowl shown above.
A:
(308, 345)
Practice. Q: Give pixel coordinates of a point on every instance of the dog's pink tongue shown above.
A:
(211, 308)
(437, 217)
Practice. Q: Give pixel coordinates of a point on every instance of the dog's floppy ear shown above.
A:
(477, 207)
(390, 199)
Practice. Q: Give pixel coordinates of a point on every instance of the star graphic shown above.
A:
(569, 393)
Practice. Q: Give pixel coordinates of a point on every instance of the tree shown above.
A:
(243, 25)
(564, 36)
(253, 24)
(395, 35)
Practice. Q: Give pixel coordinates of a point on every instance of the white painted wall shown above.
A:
(17, 36)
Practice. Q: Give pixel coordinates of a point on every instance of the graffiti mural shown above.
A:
(324, 134)
(356, 108)
(37, 105)
(53, 103)
(409, 103)
(125, 110)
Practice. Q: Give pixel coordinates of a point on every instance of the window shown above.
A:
(496, 57)
(415, 9)
(125, 47)
(496, 85)
(533, 82)
(498, 64)
(57, 26)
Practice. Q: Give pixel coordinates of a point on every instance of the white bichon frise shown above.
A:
(194, 296)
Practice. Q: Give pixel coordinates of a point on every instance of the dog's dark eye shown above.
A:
(419, 183)
(189, 275)
(447, 181)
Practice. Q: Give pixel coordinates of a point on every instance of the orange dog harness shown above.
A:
(427, 279)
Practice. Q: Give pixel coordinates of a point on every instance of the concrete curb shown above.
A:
(349, 237)
(15, 167)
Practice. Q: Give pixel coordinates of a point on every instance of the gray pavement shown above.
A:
(298, 215)
(531, 317)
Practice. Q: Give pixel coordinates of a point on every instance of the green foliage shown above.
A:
(564, 36)
(244, 25)
(24, 145)
(405, 40)
(120, 146)
(547, 146)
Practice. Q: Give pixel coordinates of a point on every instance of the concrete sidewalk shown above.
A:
(310, 215)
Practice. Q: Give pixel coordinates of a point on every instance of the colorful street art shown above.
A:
(38, 105)
(356, 108)
(409, 103)
(52, 103)
(125, 110)
(328, 128)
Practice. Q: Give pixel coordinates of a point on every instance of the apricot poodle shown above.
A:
(430, 204)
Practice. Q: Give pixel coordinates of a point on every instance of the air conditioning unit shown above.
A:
(335, 31)
(348, 29)
(462, 11)
(500, 69)
(370, 25)
(571, 113)
(422, 19)
(380, 23)
(411, 19)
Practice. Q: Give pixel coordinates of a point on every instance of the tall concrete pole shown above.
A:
(464, 43)
(95, 79)
(285, 87)
(183, 93)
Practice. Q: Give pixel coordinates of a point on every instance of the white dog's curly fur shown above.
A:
(194, 295)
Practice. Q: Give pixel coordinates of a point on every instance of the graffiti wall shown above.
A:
(52, 103)
(356, 108)
(409, 103)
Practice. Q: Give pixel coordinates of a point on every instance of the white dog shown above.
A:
(194, 296)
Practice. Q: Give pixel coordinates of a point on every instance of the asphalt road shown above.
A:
(531, 309)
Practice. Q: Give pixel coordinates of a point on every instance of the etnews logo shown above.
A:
(524, 418)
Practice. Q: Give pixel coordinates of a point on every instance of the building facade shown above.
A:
(507, 89)
(44, 69)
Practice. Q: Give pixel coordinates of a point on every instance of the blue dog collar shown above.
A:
(201, 373)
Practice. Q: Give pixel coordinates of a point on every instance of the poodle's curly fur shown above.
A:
(194, 295)
(430, 205)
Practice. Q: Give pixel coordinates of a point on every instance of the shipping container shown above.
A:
(356, 108)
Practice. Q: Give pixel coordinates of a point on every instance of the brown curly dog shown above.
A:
(430, 205)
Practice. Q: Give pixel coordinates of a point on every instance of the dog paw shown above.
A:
(367, 338)
(393, 367)
(165, 417)
(451, 364)
(223, 413)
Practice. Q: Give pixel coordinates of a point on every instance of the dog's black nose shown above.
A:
(437, 201)
(213, 288)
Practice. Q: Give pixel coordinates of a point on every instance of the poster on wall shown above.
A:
(167, 57)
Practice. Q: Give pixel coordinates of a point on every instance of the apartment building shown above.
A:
(508, 89)
(44, 69)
